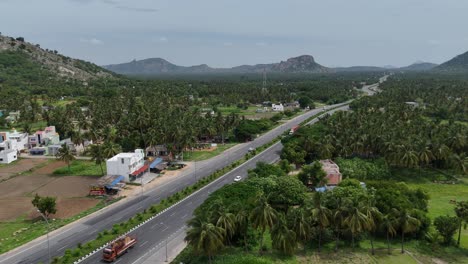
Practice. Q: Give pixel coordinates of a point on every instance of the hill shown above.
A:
(419, 66)
(25, 61)
(455, 65)
(155, 66)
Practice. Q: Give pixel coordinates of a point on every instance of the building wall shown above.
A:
(125, 164)
(8, 156)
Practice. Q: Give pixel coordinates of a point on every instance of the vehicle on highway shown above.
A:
(118, 247)
(251, 149)
(237, 178)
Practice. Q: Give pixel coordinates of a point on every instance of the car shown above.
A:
(251, 149)
(237, 178)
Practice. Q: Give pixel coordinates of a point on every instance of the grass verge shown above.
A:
(81, 168)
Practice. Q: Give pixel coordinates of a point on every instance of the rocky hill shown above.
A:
(419, 66)
(155, 66)
(17, 56)
(455, 65)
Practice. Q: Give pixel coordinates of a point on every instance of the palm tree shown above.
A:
(242, 223)
(356, 221)
(339, 215)
(283, 239)
(461, 210)
(263, 216)
(204, 237)
(226, 221)
(300, 224)
(389, 225)
(64, 154)
(97, 155)
(321, 215)
(374, 216)
(406, 223)
(110, 149)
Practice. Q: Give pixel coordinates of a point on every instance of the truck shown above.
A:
(118, 247)
(293, 129)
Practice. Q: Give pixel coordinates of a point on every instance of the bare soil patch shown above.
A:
(72, 206)
(22, 165)
(50, 168)
(14, 207)
(67, 187)
(23, 185)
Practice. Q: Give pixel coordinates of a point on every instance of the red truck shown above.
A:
(293, 129)
(118, 247)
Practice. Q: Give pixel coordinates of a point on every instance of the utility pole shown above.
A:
(48, 230)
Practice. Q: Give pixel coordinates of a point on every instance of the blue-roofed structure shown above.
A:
(115, 181)
(155, 163)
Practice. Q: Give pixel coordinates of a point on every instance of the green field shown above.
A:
(16, 233)
(203, 155)
(81, 168)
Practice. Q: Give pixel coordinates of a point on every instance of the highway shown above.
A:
(86, 229)
(160, 228)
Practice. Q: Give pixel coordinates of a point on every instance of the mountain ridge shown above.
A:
(457, 64)
(14, 51)
(300, 64)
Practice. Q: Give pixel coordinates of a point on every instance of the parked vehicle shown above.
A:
(237, 178)
(118, 247)
(293, 129)
(251, 149)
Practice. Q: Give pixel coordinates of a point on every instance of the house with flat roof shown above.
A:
(48, 136)
(130, 165)
(8, 151)
(277, 107)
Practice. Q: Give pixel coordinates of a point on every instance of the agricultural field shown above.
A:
(21, 181)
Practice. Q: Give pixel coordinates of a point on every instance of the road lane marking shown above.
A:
(165, 228)
(62, 248)
(144, 243)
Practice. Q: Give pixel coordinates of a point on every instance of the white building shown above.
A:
(8, 151)
(129, 165)
(277, 107)
(20, 138)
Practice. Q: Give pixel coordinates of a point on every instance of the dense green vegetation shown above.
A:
(135, 113)
(404, 152)
(273, 205)
(386, 126)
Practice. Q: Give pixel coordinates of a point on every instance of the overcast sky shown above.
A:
(225, 33)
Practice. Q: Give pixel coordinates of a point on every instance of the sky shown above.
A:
(226, 33)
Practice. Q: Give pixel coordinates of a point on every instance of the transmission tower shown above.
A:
(264, 85)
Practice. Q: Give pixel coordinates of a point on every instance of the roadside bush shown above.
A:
(447, 227)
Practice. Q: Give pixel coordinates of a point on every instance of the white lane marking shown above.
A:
(165, 228)
(172, 214)
(62, 248)
(144, 243)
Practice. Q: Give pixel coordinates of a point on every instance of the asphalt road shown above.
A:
(160, 228)
(86, 229)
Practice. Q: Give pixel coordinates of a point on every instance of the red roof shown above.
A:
(333, 179)
(140, 170)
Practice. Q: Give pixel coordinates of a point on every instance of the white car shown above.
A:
(237, 178)
(251, 149)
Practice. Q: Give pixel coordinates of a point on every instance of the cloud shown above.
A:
(162, 39)
(228, 44)
(261, 44)
(117, 5)
(92, 41)
(433, 42)
(137, 9)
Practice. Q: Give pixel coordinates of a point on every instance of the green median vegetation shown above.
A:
(117, 230)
